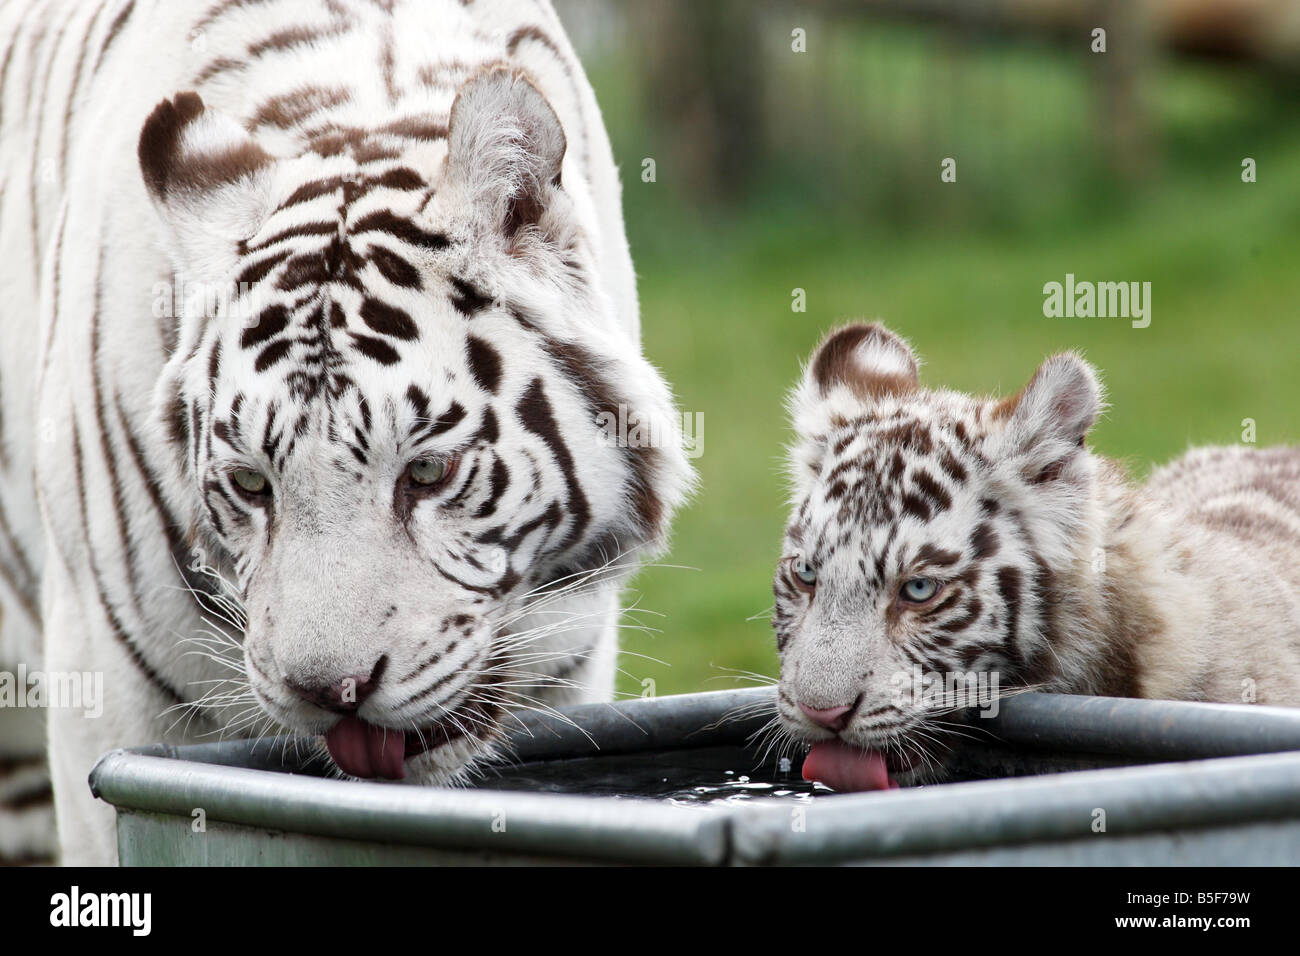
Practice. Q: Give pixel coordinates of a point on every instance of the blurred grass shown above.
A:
(959, 270)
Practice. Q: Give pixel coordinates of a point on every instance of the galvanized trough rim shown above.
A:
(957, 816)
(552, 825)
(1155, 729)
(1225, 791)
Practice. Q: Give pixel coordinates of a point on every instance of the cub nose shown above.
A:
(832, 718)
(341, 696)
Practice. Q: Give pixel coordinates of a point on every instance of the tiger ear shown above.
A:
(505, 150)
(853, 368)
(1047, 422)
(209, 179)
(867, 359)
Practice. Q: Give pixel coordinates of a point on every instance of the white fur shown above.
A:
(334, 562)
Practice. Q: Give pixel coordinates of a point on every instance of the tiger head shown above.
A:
(389, 404)
(919, 567)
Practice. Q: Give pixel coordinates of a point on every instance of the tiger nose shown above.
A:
(340, 696)
(832, 718)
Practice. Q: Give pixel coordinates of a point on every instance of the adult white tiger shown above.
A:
(386, 437)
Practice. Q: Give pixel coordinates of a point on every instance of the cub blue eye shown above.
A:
(805, 574)
(920, 590)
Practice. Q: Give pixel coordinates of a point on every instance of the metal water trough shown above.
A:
(1052, 779)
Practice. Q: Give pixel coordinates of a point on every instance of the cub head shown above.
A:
(916, 570)
(393, 360)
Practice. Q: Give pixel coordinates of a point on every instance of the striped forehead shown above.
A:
(336, 319)
(332, 279)
(883, 475)
(353, 431)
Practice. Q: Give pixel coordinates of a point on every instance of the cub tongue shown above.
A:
(842, 767)
(364, 750)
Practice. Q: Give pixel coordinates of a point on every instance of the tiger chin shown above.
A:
(965, 538)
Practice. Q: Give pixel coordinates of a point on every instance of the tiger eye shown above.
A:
(427, 471)
(920, 590)
(253, 482)
(805, 574)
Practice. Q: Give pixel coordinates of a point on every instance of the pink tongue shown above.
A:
(364, 750)
(842, 767)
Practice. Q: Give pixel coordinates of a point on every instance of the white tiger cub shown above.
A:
(943, 534)
(333, 294)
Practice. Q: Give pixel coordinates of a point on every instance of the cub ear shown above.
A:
(1050, 417)
(852, 369)
(208, 178)
(505, 149)
(867, 359)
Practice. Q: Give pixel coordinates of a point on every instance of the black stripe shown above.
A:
(484, 363)
(46, 69)
(313, 190)
(489, 431)
(374, 348)
(931, 556)
(389, 320)
(214, 365)
(200, 586)
(401, 178)
(272, 354)
(448, 420)
(419, 401)
(56, 295)
(386, 222)
(932, 489)
(915, 505)
(22, 578)
(293, 37)
(953, 467)
(114, 29)
(255, 273)
(4, 68)
(73, 99)
(467, 298)
(984, 542)
(115, 624)
(395, 269)
(293, 232)
(498, 482)
(974, 609)
(1009, 589)
(222, 8)
(535, 414)
(105, 443)
(271, 442)
(269, 324)
(583, 369)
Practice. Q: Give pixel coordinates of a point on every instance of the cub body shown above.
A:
(938, 533)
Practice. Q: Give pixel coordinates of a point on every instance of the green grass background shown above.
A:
(851, 209)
